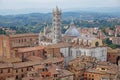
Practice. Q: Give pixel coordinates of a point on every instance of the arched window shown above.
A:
(96, 44)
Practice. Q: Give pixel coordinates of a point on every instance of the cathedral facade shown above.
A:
(52, 35)
(79, 44)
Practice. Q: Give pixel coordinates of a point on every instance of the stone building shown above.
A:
(45, 38)
(89, 68)
(39, 62)
(53, 51)
(23, 58)
(80, 64)
(102, 71)
(8, 31)
(16, 70)
(4, 46)
(5, 71)
(24, 53)
(115, 40)
(10, 43)
(79, 44)
(118, 76)
(118, 73)
(100, 35)
(57, 36)
(49, 69)
(71, 33)
(23, 40)
(31, 57)
(85, 46)
(113, 55)
(71, 50)
(52, 35)
(51, 73)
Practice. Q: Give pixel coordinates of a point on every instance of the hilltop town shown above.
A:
(77, 54)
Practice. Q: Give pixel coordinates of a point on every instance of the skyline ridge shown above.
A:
(38, 10)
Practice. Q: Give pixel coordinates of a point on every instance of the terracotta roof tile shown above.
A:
(30, 49)
(21, 35)
(34, 58)
(12, 60)
(6, 65)
(25, 64)
(59, 45)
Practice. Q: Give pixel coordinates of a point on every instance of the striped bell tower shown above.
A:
(56, 23)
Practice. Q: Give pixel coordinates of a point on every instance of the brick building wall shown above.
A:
(98, 76)
(30, 51)
(23, 40)
(16, 70)
(8, 44)
(53, 52)
(4, 46)
(112, 55)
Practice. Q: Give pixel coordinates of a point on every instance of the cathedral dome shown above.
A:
(72, 31)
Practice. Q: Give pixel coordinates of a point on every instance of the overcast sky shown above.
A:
(63, 4)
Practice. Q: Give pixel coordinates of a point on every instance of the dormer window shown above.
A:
(96, 44)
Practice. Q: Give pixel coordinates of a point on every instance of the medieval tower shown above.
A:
(56, 23)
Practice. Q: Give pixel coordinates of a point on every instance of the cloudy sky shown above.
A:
(64, 4)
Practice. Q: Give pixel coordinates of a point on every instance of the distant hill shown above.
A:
(34, 22)
(43, 17)
(114, 10)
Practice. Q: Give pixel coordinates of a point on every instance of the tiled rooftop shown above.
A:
(10, 60)
(23, 35)
(30, 63)
(104, 67)
(6, 65)
(30, 49)
(34, 58)
(59, 45)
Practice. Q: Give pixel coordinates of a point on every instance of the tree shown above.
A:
(113, 46)
(2, 31)
(108, 41)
